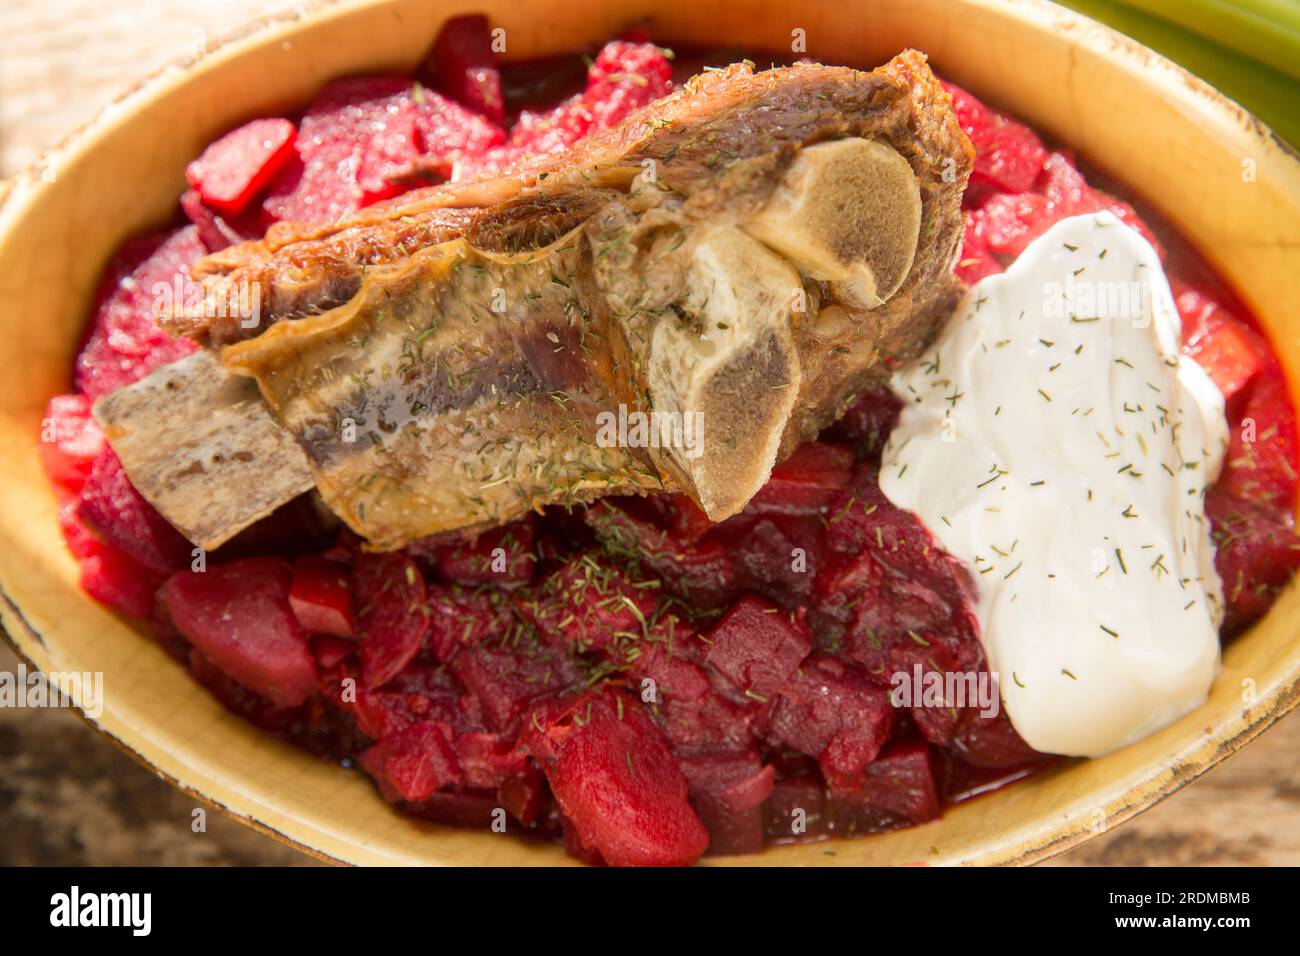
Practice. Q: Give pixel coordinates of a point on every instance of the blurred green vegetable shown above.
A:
(1249, 49)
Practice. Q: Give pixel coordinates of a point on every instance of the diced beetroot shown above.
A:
(797, 808)
(391, 620)
(125, 342)
(757, 647)
(777, 556)
(687, 521)
(1007, 223)
(525, 795)
(463, 618)
(216, 231)
(419, 692)
(900, 789)
(972, 115)
(488, 760)
(458, 807)
(828, 712)
(701, 572)
(239, 165)
(320, 597)
(895, 620)
(70, 442)
(503, 557)
(588, 606)
(108, 575)
(112, 508)
(1008, 156)
(805, 482)
(412, 764)
(317, 191)
(238, 615)
(462, 65)
(866, 425)
(362, 136)
(728, 790)
(614, 778)
(1229, 350)
(507, 682)
(693, 714)
(1256, 554)
(1262, 452)
(991, 742)
(1070, 195)
(975, 262)
(623, 77)
(329, 651)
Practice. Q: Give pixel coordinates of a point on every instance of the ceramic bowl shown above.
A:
(1214, 172)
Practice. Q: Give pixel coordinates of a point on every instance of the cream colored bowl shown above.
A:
(1170, 137)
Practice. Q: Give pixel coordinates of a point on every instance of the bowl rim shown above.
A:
(27, 185)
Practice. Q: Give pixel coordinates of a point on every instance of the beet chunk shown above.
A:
(238, 615)
(362, 137)
(1257, 553)
(108, 575)
(701, 572)
(216, 231)
(502, 557)
(462, 65)
(112, 508)
(459, 617)
(509, 681)
(797, 808)
(125, 343)
(1262, 460)
(899, 790)
(234, 168)
(586, 605)
(757, 647)
(391, 619)
(866, 425)
(805, 483)
(614, 778)
(420, 692)
(70, 441)
(320, 597)
(728, 790)
(693, 714)
(830, 713)
(623, 77)
(412, 764)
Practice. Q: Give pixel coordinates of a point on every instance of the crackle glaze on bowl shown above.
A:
(1151, 125)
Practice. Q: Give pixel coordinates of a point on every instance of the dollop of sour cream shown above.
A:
(1056, 441)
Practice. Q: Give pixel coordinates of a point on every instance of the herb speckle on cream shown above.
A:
(1106, 614)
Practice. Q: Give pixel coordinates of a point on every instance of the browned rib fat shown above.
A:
(461, 380)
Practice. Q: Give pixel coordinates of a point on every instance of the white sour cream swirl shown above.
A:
(1056, 441)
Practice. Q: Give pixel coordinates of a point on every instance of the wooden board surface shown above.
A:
(66, 796)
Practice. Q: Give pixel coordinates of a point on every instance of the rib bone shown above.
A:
(847, 212)
(748, 251)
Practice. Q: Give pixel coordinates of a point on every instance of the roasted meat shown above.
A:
(725, 270)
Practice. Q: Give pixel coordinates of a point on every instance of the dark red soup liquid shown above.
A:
(626, 678)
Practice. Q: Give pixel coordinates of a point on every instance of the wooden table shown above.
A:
(66, 796)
